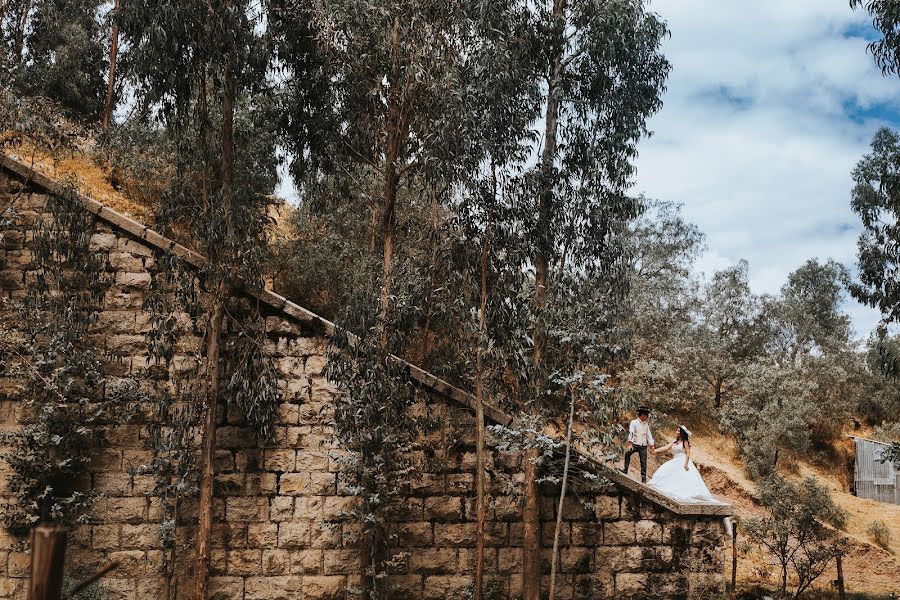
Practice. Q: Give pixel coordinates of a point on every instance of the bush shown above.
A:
(880, 534)
(794, 532)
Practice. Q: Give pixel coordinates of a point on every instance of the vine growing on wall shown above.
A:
(61, 369)
(377, 419)
(171, 407)
(172, 418)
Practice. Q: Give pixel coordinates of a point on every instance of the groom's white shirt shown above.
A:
(639, 433)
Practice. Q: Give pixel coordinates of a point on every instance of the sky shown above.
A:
(770, 104)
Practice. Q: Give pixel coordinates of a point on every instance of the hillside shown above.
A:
(867, 569)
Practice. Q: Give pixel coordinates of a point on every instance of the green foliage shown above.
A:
(378, 421)
(886, 20)
(62, 371)
(875, 199)
(795, 530)
(880, 534)
(66, 55)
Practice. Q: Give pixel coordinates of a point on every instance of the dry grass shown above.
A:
(90, 178)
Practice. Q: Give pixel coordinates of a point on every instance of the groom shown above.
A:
(639, 437)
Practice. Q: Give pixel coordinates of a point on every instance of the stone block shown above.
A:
(105, 537)
(307, 562)
(140, 281)
(433, 561)
(631, 585)
(19, 564)
(548, 531)
(281, 508)
(225, 588)
(246, 509)
(276, 562)
(280, 460)
(575, 559)
(155, 587)
(323, 587)
(124, 261)
(144, 536)
(326, 536)
(315, 365)
(445, 587)
(312, 460)
(294, 534)
(261, 484)
(284, 587)
(322, 484)
(454, 534)
(607, 507)
(229, 484)
(132, 563)
(342, 562)
(587, 533)
(338, 508)
(287, 414)
(120, 510)
(648, 532)
(405, 586)
(294, 484)
(444, 508)
(103, 242)
(262, 535)
(618, 533)
(134, 247)
(416, 535)
(244, 562)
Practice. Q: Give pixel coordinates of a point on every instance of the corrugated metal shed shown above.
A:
(872, 478)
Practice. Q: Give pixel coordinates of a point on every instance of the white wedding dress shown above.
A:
(685, 486)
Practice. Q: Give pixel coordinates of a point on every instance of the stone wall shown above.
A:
(281, 526)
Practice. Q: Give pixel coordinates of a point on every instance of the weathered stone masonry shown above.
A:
(281, 531)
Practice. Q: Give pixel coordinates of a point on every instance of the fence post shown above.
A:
(734, 526)
(48, 556)
(840, 578)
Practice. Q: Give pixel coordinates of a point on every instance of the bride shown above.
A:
(679, 478)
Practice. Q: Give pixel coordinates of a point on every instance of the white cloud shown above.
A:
(761, 129)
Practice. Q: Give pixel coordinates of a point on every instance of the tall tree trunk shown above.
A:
(388, 218)
(531, 549)
(110, 85)
(479, 422)
(531, 519)
(208, 450)
(554, 558)
(20, 32)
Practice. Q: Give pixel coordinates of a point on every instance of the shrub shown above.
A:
(880, 534)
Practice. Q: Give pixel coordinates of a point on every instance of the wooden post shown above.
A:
(734, 526)
(48, 556)
(840, 578)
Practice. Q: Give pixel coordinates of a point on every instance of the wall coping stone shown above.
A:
(315, 322)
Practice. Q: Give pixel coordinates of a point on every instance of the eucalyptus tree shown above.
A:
(389, 142)
(663, 299)
(59, 53)
(487, 278)
(875, 200)
(393, 111)
(200, 69)
(603, 75)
